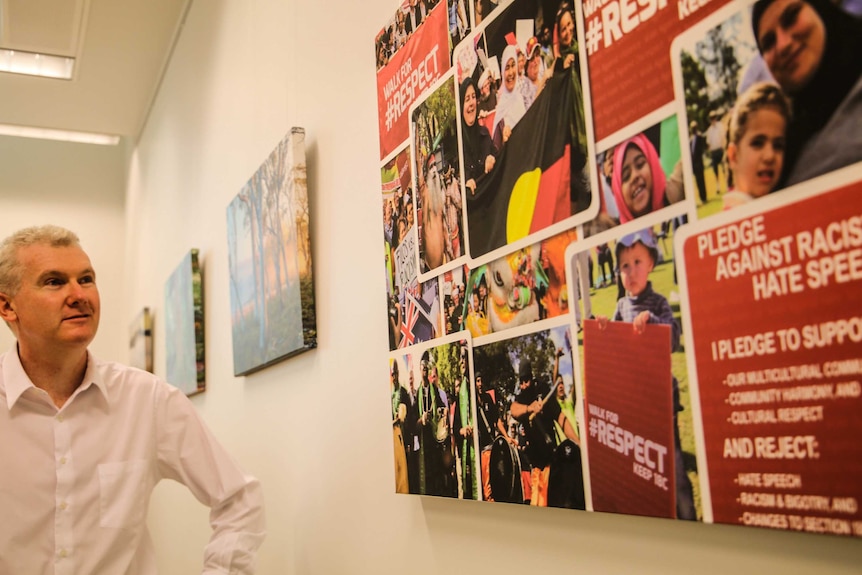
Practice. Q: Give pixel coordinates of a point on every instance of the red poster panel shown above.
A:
(415, 67)
(629, 415)
(776, 316)
(628, 50)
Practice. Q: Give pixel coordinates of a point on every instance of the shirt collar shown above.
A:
(646, 291)
(16, 381)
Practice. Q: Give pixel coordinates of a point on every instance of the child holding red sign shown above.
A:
(636, 256)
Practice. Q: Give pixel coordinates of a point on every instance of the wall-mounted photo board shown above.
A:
(632, 232)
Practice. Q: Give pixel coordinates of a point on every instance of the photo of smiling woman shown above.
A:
(476, 141)
(812, 48)
(510, 102)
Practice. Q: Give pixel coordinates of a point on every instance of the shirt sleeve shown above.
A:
(662, 313)
(189, 453)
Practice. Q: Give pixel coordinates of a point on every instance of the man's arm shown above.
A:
(453, 194)
(502, 429)
(518, 410)
(567, 428)
(457, 424)
(559, 353)
(189, 453)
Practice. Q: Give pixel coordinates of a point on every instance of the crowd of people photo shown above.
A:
(412, 13)
(435, 163)
(529, 445)
(521, 447)
(433, 426)
(412, 306)
(520, 89)
(401, 27)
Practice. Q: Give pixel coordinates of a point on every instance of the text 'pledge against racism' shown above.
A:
(809, 259)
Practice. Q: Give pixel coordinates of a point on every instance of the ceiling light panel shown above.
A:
(62, 135)
(35, 64)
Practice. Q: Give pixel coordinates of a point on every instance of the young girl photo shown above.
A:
(756, 142)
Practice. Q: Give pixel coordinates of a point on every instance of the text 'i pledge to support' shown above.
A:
(813, 336)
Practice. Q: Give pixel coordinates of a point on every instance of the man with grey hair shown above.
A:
(86, 441)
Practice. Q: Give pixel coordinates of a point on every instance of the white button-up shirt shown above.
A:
(75, 482)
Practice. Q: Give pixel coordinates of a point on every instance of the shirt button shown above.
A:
(63, 506)
(60, 418)
(62, 461)
(63, 553)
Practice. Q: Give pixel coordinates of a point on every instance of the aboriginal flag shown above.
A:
(531, 185)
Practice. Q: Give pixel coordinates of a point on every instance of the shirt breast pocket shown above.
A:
(124, 489)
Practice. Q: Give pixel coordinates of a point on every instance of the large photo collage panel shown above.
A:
(581, 239)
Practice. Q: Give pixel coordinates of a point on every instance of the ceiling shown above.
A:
(121, 49)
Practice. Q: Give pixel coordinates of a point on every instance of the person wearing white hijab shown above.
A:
(510, 102)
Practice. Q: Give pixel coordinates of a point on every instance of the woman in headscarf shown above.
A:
(638, 181)
(476, 141)
(565, 44)
(567, 61)
(812, 49)
(510, 102)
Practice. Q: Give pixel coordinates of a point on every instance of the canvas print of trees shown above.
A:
(269, 253)
(184, 326)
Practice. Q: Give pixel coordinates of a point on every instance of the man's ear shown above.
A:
(7, 310)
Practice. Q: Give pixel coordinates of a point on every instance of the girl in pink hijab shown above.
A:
(638, 180)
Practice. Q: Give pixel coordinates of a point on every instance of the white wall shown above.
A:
(314, 428)
(79, 187)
